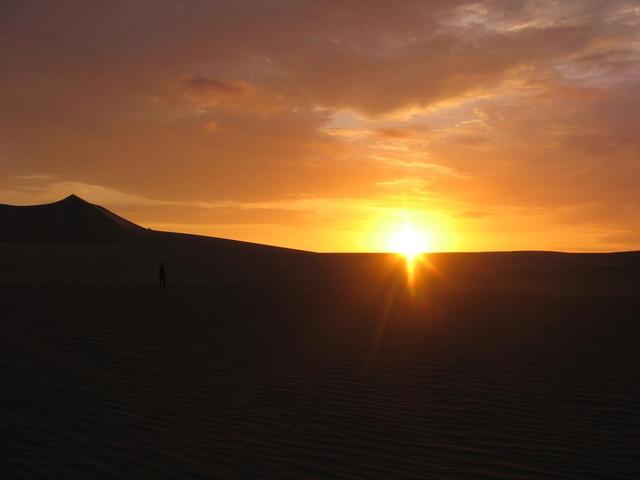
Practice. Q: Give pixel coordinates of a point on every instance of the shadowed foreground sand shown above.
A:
(319, 369)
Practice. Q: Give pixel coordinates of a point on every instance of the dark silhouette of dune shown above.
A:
(73, 241)
(71, 220)
(261, 362)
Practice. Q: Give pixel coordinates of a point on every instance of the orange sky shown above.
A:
(494, 125)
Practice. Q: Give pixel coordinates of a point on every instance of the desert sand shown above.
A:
(260, 362)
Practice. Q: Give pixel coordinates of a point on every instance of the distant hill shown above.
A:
(73, 220)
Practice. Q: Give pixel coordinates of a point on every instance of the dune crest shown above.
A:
(70, 220)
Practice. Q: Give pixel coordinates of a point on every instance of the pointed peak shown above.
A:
(73, 198)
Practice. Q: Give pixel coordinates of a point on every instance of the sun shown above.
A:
(409, 242)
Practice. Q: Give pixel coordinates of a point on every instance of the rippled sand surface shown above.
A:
(317, 380)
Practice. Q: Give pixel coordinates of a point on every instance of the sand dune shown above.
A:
(268, 363)
(69, 220)
(315, 382)
(73, 220)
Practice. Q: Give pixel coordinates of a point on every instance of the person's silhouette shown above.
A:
(162, 276)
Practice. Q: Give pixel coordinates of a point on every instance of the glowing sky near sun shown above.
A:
(494, 125)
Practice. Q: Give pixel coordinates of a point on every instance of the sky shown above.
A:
(326, 125)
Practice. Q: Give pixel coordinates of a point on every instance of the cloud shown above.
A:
(213, 216)
(209, 92)
(402, 133)
(479, 106)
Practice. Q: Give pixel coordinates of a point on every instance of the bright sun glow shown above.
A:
(409, 241)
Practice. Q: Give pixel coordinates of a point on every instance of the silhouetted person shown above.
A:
(162, 276)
